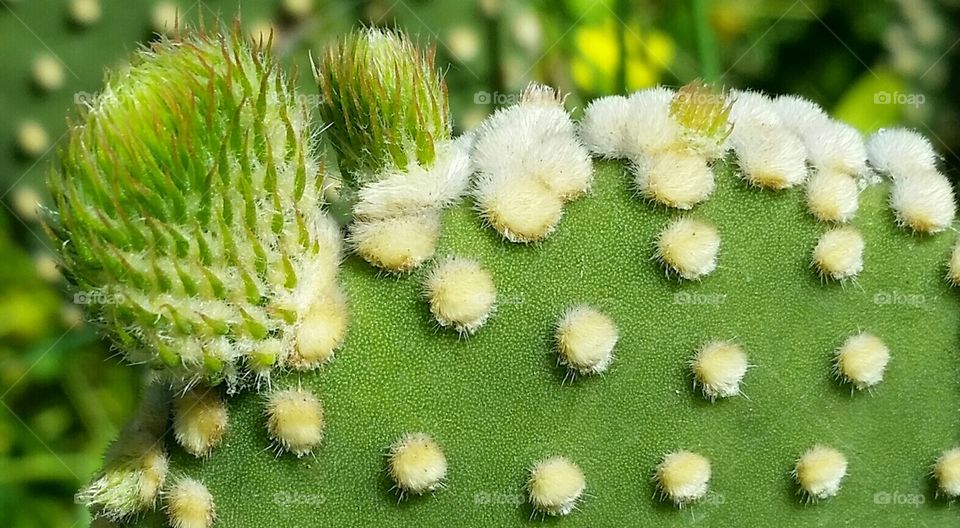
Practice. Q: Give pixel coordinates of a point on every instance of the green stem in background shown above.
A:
(491, 26)
(622, 15)
(46, 468)
(706, 43)
(83, 398)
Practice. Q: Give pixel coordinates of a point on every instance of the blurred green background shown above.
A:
(63, 394)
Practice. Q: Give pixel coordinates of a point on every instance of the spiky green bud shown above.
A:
(704, 112)
(384, 101)
(188, 213)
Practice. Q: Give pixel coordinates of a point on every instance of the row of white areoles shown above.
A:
(530, 158)
(779, 143)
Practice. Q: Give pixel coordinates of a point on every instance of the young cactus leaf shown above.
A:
(385, 107)
(188, 211)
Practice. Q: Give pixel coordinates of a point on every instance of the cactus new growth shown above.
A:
(721, 302)
(188, 211)
(386, 109)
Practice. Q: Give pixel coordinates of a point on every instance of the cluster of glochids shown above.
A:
(234, 272)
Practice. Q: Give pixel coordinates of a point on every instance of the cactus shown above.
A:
(690, 306)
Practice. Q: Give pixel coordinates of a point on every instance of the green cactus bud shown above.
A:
(386, 108)
(188, 210)
(384, 101)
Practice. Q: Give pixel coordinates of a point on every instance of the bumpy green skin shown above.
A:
(496, 405)
(187, 206)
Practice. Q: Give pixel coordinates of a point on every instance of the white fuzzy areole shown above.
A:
(321, 331)
(689, 248)
(799, 114)
(48, 73)
(836, 146)
(523, 210)
(651, 128)
(417, 189)
(555, 486)
(953, 267)
(923, 201)
(85, 12)
(461, 294)
(605, 124)
(189, 504)
(417, 465)
(900, 152)
(833, 196)
(862, 360)
(718, 368)
(529, 161)
(839, 253)
(947, 472)
(683, 477)
(770, 155)
(819, 472)
(295, 420)
(679, 179)
(199, 420)
(32, 139)
(585, 339)
(397, 244)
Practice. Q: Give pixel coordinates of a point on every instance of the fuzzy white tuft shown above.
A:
(417, 465)
(819, 472)
(555, 486)
(189, 504)
(605, 124)
(923, 201)
(770, 155)
(798, 114)
(900, 152)
(839, 254)
(680, 179)
(833, 196)
(947, 473)
(683, 477)
(651, 128)
(529, 161)
(836, 146)
(689, 248)
(418, 188)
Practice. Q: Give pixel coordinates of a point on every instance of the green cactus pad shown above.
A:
(497, 403)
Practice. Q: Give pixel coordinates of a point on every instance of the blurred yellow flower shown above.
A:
(597, 60)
